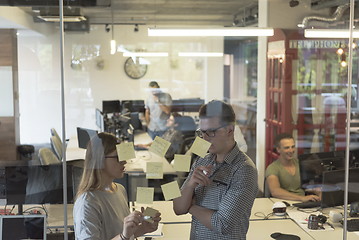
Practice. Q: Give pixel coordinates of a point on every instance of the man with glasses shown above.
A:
(221, 187)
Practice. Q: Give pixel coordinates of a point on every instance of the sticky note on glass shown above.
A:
(159, 146)
(145, 195)
(182, 163)
(125, 151)
(200, 147)
(149, 213)
(171, 190)
(154, 170)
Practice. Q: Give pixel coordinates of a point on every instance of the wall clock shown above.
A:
(135, 70)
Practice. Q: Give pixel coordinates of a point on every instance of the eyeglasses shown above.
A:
(209, 132)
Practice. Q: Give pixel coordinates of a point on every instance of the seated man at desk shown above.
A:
(282, 175)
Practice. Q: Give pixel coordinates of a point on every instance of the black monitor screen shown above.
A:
(113, 106)
(23, 227)
(133, 105)
(84, 135)
(37, 184)
(313, 165)
(334, 185)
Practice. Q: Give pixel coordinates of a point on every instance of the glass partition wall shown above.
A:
(304, 86)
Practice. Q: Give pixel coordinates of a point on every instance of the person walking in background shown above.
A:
(158, 110)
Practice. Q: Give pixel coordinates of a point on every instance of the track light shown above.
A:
(136, 28)
(107, 28)
(293, 3)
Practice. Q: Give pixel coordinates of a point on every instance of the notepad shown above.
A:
(200, 147)
(125, 151)
(171, 190)
(159, 146)
(154, 170)
(144, 195)
(182, 163)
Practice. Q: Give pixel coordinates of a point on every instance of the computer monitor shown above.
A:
(113, 106)
(313, 165)
(23, 227)
(37, 184)
(334, 184)
(134, 105)
(84, 135)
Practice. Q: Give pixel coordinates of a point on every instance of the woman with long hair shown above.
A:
(101, 209)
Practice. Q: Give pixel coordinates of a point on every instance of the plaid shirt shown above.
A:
(230, 195)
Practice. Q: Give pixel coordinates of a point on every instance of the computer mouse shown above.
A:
(286, 203)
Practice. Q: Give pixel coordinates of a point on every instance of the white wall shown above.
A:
(85, 88)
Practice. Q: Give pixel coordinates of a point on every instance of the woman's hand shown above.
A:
(147, 227)
(131, 223)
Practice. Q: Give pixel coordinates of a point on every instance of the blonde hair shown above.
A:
(99, 146)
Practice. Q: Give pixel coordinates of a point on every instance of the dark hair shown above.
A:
(220, 109)
(280, 137)
(154, 84)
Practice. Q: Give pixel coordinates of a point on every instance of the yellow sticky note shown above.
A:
(159, 146)
(154, 170)
(125, 151)
(182, 163)
(145, 195)
(200, 147)
(171, 190)
(150, 213)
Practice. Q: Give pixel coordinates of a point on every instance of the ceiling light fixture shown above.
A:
(113, 41)
(329, 33)
(200, 54)
(190, 32)
(65, 18)
(145, 54)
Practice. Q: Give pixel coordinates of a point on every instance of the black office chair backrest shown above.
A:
(186, 125)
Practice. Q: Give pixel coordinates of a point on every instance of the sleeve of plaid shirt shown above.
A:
(235, 208)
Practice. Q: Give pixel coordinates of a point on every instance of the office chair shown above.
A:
(47, 157)
(56, 145)
(54, 133)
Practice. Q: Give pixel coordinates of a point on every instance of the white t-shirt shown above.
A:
(99, 214)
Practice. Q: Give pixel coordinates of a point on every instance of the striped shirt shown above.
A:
(231, 195)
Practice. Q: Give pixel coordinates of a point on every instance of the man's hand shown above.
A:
(313, 198)
(200, 176)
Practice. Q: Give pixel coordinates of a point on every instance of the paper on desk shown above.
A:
(157, 233)
(171, 190)
(159, 146)
(182, 163)
(145, 195)
(125, 151)
(200, 147)
(154, 170)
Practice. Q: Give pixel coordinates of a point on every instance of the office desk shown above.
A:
(73, 152)
(262, 207)
(263, 229)
(134, 166)
(166, 210)
(177, 231)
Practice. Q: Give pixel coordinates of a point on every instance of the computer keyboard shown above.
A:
(353, 225)
(309, 204)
